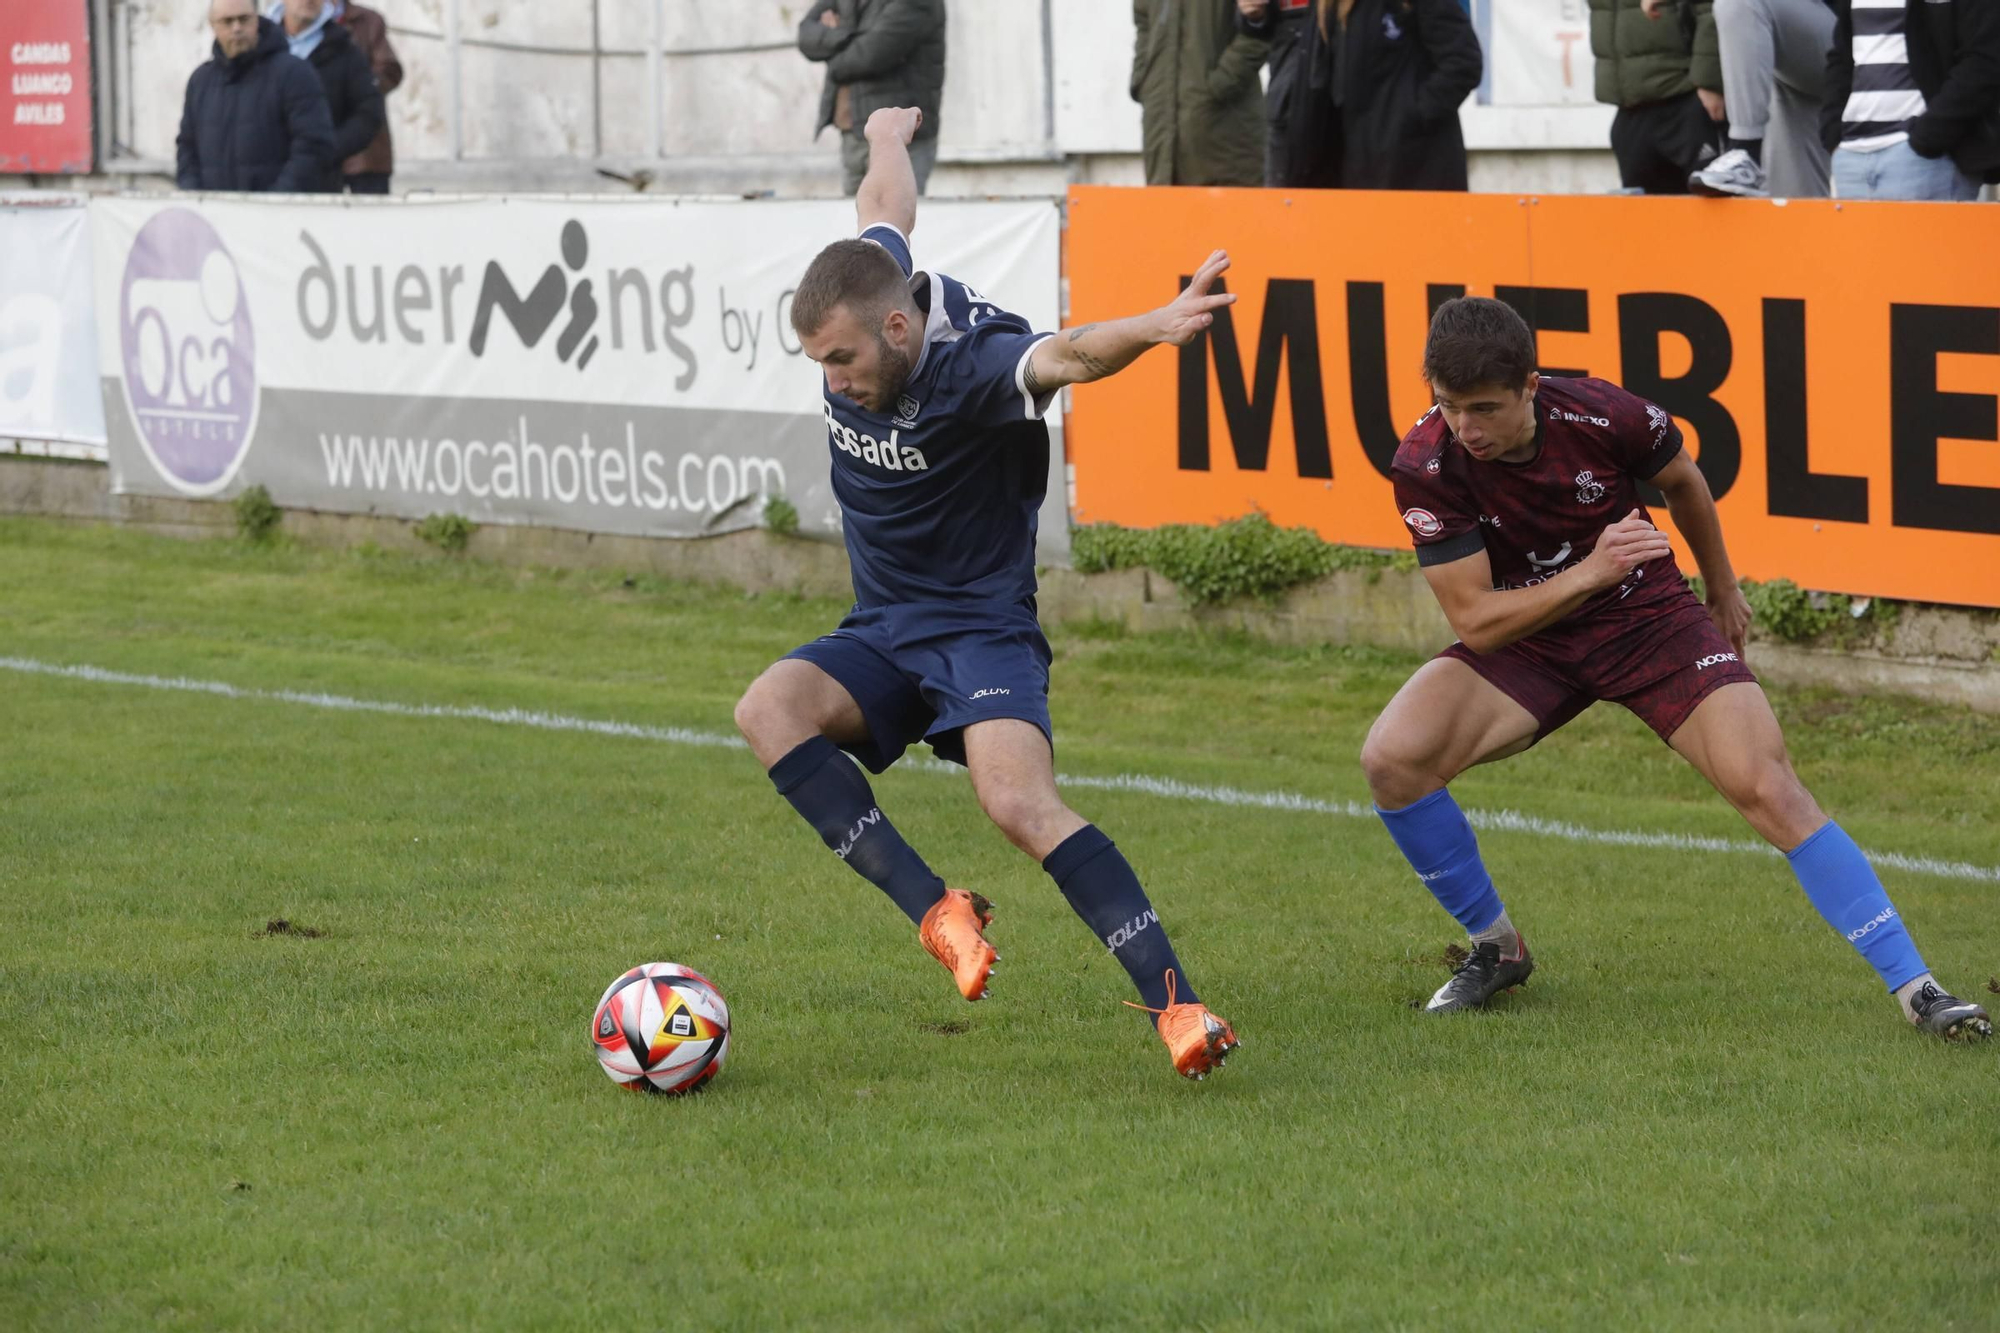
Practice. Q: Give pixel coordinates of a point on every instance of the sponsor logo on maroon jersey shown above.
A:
(1434, 466)
(1582, 420)
(1714, 659)
(1423, 522)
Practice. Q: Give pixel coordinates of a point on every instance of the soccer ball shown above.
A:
(661, 1028)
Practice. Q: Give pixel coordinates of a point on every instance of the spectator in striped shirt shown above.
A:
(1913, 98)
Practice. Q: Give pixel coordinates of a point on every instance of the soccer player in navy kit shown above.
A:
(1520, 493)
(934, 398)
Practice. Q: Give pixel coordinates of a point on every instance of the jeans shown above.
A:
(854, 160)
(1896, 172)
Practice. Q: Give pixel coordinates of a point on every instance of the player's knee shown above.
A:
(1388, 766)
(1018, 812)
(762, 710)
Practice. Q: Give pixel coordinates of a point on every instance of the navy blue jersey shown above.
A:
(939, 498)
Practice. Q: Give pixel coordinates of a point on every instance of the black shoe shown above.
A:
(1482, 975)
(1948, 1016)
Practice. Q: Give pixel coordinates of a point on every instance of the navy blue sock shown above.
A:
(833, 795)
(1438, 844)
(1845, 889)
(1754, 147)
(1098, 882)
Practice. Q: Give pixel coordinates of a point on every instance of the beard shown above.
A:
(895, 373)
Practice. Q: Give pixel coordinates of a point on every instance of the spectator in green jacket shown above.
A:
(1659, 65)
(1195, 79)
(877, 53)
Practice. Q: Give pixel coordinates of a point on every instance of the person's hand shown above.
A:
(1253, 9)
(1192, 311)
(1622, 548)
(1711, 102)
(828, 19)
(897, 122)
(1731, 612)
(1652, 9)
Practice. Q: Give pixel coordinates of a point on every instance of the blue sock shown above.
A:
(1844, 887)
(1098, 882)
(833, 794)
(1437, 842)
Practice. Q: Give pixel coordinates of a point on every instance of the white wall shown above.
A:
(1035, 93)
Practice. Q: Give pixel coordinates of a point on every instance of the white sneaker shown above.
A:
(1734, 173)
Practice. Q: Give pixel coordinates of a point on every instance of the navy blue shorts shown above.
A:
(928, 670)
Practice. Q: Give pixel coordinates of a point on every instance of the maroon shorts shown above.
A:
(1659, 661)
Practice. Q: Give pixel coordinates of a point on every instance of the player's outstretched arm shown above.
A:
(1693, 506)
(1486, 618)
(888, 193)
(1077, 356)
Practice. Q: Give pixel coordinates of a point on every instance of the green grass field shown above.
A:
(1703, 1112)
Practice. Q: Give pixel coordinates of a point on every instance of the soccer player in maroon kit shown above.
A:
(1522, 496)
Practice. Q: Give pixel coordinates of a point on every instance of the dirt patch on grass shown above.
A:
(956, 1027)
(277, 925)
(1993, 984)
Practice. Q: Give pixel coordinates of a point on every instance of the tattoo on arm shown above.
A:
(1030, 380)
(1097, 368)
(1074, 334)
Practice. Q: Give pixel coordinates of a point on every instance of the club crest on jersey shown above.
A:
(906, 412)
(1434, 466)
(1589, 490)
(1657, 418)
(1423, 522)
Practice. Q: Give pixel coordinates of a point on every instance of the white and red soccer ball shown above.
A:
(661, 1028)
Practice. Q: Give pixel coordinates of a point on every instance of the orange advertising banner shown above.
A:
(1835, 367)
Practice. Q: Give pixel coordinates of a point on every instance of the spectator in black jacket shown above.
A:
(1286, 25)
(352, 97)
(1384, 84)
(255, 117)
(877, 53)
(1912, 106)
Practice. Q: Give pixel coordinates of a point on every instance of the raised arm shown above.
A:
(1486, 618)
(1077, 356)
(888, 193)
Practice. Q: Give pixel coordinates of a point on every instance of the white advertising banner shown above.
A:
(48, 342)
(619, 366)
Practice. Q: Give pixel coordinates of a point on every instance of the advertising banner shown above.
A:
(48, 342)
(45, 96)
(618, 366)
(1836, 367)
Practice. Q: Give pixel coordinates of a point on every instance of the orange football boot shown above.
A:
(1198, 1040)
(951, 932)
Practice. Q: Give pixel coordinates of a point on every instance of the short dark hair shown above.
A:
(1475, 341)
(858, 274)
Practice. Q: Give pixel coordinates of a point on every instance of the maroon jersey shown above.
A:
(1593, 443)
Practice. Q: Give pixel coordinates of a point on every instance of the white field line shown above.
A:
(1505, 821)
